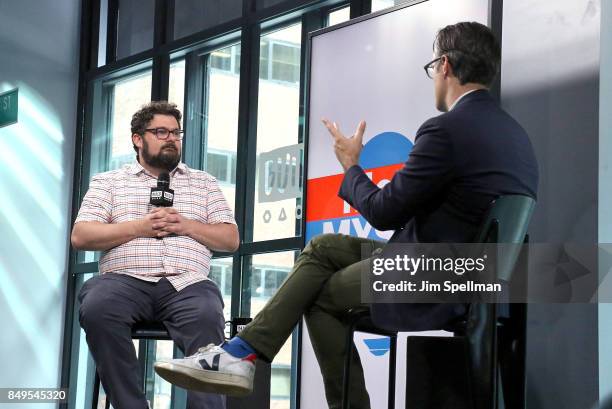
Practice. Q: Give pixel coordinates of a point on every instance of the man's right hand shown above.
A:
(93, 235)
(151, 225)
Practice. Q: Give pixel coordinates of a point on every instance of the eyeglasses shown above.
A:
(429, 67)
(163, 133)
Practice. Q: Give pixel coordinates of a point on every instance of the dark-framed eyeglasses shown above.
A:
(429, 67)
(163, 133)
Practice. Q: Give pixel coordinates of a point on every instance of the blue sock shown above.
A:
(238, 347)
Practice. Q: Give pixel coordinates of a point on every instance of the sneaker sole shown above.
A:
(204, 381)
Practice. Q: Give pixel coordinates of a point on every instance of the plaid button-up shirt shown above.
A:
(123, 195)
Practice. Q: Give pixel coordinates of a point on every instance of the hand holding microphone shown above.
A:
(164, 219)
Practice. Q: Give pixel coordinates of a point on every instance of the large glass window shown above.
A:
(339, 16)
(102, 33)
(205, 84)
(176, 89)
(191, 16)
(160, 388)
(226, 59)
(134, 26)
(383, 4)
(279, 58)
(221, 274)
(115, 101)
(128, 95)
(278, 192)
(220, 115)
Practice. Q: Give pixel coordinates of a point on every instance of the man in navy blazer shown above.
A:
(460, 161)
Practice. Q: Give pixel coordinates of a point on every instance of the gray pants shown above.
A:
(112, 303)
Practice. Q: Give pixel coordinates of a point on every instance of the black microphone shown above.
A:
(162, 195)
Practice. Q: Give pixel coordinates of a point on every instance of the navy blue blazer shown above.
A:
(460, 162)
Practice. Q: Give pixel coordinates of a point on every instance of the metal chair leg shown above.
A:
(347, 366)
(392, 369)
(96, 391)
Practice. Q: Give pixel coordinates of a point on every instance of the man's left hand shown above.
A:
(347, 150)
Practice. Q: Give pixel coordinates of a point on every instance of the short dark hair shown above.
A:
(472, 51)
(142, 117)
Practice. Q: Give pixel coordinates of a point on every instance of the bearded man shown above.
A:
(155, 260)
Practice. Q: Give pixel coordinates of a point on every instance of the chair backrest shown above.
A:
(505, 222)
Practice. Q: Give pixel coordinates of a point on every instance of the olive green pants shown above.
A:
(324, 284)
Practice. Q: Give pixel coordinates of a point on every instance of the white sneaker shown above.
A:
(211, 369)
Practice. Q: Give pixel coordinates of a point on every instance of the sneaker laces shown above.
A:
(207, 348)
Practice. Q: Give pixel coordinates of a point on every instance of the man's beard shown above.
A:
(166, 159)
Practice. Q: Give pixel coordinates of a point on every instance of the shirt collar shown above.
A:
(135, 168)
(461, 96)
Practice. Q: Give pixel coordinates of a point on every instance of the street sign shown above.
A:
(8, 107)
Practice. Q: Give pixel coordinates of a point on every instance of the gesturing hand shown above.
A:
(347, 150)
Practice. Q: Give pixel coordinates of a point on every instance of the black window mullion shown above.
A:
(170, 6)
(248, 121)
(161, 63)
(109, 107)
(194, 78)
(360, 7)
(93, 33)
(160, 78)
(82, 173)
(204, 61)
(246, 265)
(247, 104)
(111, 31)
(160, 23)
(271, 246)
(248, 156)
(310, 22)
(124, 67)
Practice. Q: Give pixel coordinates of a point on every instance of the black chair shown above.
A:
(143, 330)
(482, 366)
